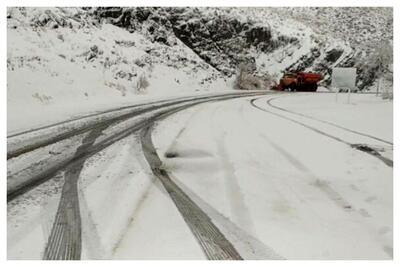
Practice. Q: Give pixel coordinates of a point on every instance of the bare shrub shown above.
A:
(240, 81)
(387, 95)
(142, 84)
(44, 99)
(378, 65)
(247, 80)
(139, 62)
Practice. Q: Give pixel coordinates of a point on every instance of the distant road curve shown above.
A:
(362, 148)
(269, 102)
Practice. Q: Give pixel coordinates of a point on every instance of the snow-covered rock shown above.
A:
(87, 56)
(63, 62)
(276, 39)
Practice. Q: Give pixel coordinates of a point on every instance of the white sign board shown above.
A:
(344, 78)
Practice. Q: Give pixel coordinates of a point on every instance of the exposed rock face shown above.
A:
(258, 34)
(221, 40)
(333, 55)
(224, 38)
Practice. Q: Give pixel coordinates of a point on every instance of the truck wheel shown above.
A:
(313, 87)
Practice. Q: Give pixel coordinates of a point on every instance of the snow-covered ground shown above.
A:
(67, 62)
(274, 188)
(277, 175)
(295, 191)
(361, 106)
(57, 72)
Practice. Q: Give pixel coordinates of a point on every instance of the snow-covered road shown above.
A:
(260, 177)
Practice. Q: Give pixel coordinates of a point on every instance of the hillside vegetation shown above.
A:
(113, 54)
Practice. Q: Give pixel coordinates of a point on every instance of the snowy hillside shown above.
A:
(61, 58)
(160, 133)
(61, 61)
(365, 30)
(276, 39)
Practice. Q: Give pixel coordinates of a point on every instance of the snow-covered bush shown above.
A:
(141, 84)
(247, 79)
(378, 65)
(72, 57)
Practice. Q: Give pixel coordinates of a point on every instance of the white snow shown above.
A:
(56, 74)
(302, 194)
(30, 220)
(365, 113)
(274, 188)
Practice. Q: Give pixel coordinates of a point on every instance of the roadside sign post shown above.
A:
(336, 94)
(348, 96)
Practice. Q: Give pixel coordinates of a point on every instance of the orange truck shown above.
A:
(299, 81)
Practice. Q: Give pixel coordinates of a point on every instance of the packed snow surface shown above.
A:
(274, 188)
(296, 191)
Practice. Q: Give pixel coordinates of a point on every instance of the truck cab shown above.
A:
(300, 81)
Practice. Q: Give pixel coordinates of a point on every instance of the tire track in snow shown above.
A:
(238, 207)
(212, 241)
(321, 184)
(102, 113)
(269, 102)
(250, 247)
(171, 151)
(93, 244)
(367, 150)
(20, 148)
(65, 240)
(17, 186)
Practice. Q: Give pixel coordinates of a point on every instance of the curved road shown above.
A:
(228, 173)
(64, 241)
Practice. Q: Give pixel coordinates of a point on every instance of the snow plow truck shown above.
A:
(299, 81)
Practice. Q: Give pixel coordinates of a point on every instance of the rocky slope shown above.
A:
(270, 40)
(62, 62)
(103, 55)
(368, 31)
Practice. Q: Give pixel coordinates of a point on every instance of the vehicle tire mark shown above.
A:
(93, 244)
(171, 151)
(65, 239)
(374, 153)
(64, 242)
(250, 247)
(68, 134)
(321, 184)
(212, 241)
(140, 109)
(83, 154)
(238, 208)
(94, 115)
(269, 102)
